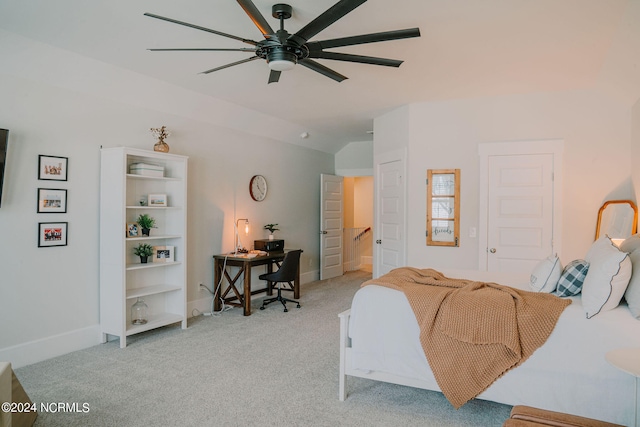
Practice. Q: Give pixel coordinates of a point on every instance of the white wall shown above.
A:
(355, 159)
(49, 296)
(596, 131)
(363, 210)
(635, 149)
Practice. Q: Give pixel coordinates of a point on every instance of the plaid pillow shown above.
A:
(572, 278)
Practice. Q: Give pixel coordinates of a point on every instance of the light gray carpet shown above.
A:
(271, 368)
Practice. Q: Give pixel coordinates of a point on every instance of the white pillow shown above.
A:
(632, 294)
(545, 275)
(607, 279)
(630, 244)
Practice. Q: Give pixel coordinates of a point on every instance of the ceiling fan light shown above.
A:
(281, 65)
(280, 58)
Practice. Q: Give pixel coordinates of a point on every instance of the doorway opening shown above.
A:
(358, 223)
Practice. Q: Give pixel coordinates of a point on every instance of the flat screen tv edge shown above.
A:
(4, 142)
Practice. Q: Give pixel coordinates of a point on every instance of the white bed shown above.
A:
(379, 340)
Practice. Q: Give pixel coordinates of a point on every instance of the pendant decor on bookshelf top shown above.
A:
(161, 133)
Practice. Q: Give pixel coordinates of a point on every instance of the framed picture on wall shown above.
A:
(52, 168)
(52, 234)
(52, 200)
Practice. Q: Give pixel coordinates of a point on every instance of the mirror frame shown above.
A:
(634, 226)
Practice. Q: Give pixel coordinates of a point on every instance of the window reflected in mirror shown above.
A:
(617, 219)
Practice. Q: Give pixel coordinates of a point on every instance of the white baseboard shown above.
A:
(57, 345)
(309, 276)
(202, 305)
(50, 347)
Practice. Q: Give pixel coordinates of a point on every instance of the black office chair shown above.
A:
(286, 273)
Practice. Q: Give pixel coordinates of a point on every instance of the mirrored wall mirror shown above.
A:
(617, 219)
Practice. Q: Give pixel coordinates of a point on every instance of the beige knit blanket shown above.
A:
(472, 332)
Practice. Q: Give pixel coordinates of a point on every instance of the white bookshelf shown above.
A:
(123, 279)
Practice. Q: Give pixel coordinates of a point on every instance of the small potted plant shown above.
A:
(144, 251)
(271, 228)
(146, 223)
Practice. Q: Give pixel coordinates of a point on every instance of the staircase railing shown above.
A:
(353, 238)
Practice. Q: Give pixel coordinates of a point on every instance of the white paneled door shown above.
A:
(390, 215)
(520, 211)
(331, 217)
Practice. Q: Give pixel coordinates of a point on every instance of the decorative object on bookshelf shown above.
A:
(139, 312)
(161, 133)
(271, 228)
(146, 223)
(157, 200)
(146, 169)
(163, 254)
(144, 251)
(133, 229)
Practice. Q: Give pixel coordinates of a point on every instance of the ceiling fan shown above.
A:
(283, 50)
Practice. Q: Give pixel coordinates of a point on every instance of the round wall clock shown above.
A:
(258, 188)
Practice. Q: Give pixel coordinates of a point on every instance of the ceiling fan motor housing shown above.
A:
(281, 10)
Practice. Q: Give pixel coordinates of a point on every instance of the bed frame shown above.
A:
(345, 364)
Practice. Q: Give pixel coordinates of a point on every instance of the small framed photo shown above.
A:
(163, 254)
(52, 234)
(133, 229)
(52, 168)
(157, 200)
(52, 200)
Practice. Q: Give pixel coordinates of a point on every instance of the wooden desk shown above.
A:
(244, 299)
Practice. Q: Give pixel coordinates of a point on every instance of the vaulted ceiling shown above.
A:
(467, 48)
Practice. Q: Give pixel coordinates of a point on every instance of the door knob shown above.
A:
(492, 250)
(323, 232)
(378, 242)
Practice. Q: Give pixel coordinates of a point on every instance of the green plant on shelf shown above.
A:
(145, 221)
(143, 250)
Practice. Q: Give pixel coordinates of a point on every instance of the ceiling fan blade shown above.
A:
(197, 27)
(256, 17)
(242, 49)
(356, 58)
(274, 76)
(327, 18)
(365, 38)
(230, 65)
(315, 66)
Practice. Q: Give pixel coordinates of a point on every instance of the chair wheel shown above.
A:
(285, 310)
(262, 308)
(298, 305)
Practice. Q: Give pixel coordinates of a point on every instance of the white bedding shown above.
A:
(568, 373)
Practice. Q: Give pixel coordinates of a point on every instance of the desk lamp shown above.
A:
(239, 247)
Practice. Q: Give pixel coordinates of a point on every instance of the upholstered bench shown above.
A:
(11, 391)
(525, 416)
